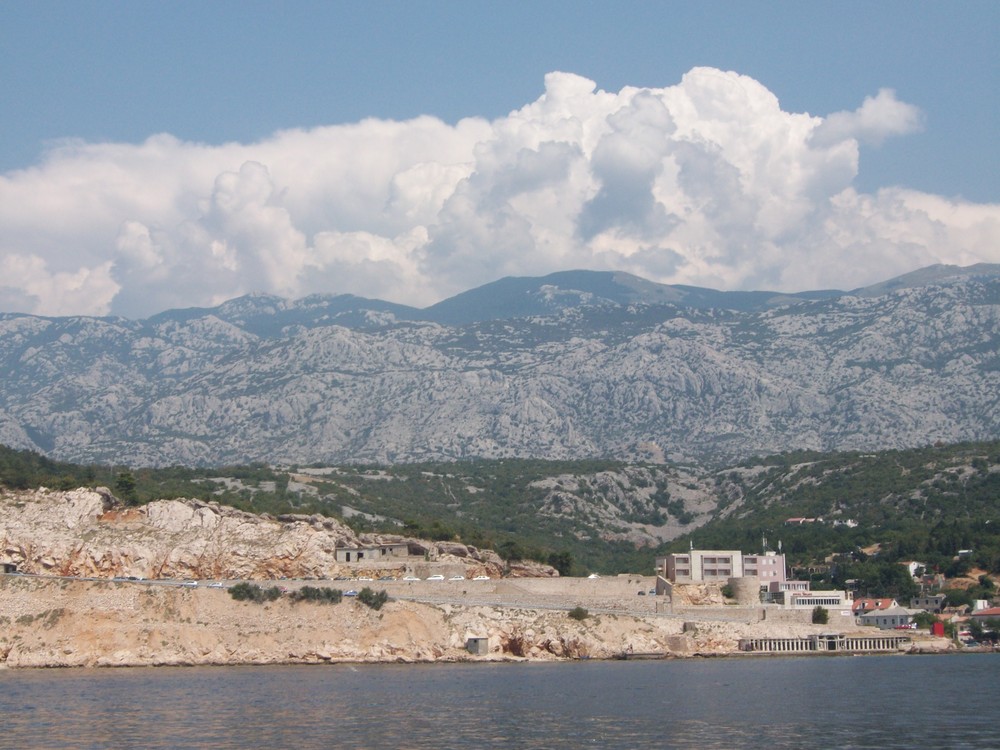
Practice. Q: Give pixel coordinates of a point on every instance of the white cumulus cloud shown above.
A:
(875, 120)
(705, 182)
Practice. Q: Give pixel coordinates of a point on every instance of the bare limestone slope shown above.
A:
(89, 533)
(48, 622)
(905, 364)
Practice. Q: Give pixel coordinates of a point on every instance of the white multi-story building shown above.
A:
(704, 565)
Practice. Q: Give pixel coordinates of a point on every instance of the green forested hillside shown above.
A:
(871, 509)
(924, 504)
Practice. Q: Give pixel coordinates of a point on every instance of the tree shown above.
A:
(373, 599)
(510, 551)
(125, 487)
(821, 615)
(562, 561)
(924, 620)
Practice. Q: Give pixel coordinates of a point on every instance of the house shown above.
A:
(371, 553)
(886, 619)
(478, 645)
(993, 613)
(929, 603)
(864, 606)
(915, 568)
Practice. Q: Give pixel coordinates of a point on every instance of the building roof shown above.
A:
(896, 611)
(870, 605)
(987, 613)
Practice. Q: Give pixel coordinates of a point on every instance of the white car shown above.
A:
(410, 578)
(190, 584)
(217, 585)
(436, 577)
(457, 578)
(481, 578)
(593, 575)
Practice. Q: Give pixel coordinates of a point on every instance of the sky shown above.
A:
(158, 155)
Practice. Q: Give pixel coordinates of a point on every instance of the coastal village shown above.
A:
(87, 582)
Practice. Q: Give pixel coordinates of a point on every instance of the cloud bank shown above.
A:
(707, 182)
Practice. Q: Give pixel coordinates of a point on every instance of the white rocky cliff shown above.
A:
(88, 533)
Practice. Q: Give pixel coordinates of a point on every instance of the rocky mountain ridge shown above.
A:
(570, 366)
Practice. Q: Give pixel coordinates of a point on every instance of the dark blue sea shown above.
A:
(804, 702)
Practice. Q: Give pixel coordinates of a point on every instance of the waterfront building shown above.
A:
(706, 566)
(886, 619)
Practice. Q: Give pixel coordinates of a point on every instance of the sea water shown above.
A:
(948, 701)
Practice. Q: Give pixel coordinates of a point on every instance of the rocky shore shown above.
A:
(60, 623)
(55, 618)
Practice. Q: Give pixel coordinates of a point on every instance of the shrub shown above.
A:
(251, 592)
(374, 599)
(319, 595)
(821, 615)
(727, 591)
(579, 613)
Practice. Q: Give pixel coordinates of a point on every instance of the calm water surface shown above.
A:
(838, 702)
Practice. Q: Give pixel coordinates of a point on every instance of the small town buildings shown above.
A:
(886, 619)
(929, 603)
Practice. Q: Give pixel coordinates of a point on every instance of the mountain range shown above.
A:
(577, 364)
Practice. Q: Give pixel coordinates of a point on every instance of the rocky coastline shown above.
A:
(77, 599)
(63, 623)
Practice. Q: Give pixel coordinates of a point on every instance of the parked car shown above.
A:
(217, 585)
(352, 592)
(481, 578)
(190, 584)
(435, 577)
(457, 578)
(410, 578)
(386, 578)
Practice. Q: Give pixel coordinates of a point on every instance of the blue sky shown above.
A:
(238, 73)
